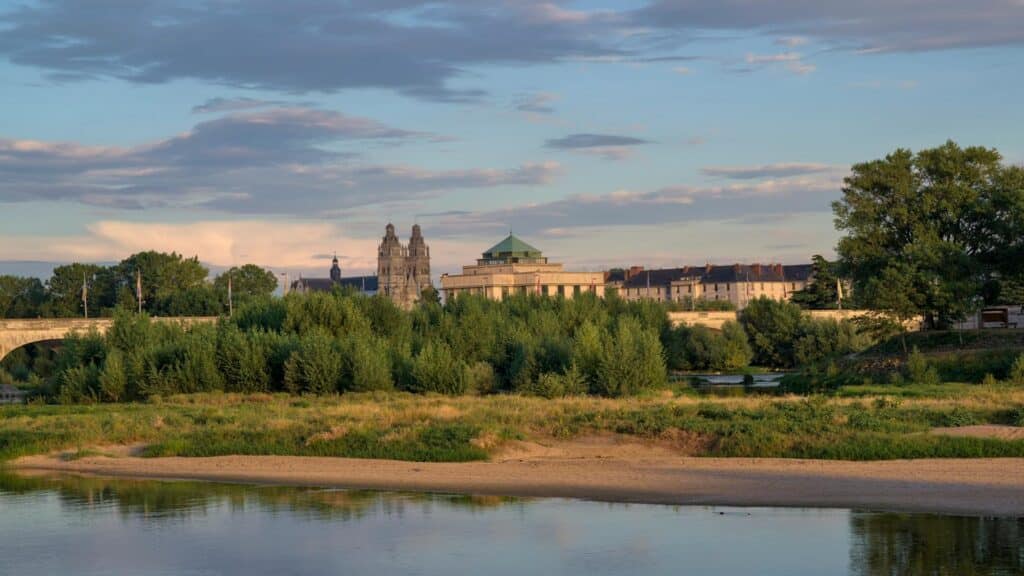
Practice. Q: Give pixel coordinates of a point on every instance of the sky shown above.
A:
(604, 132)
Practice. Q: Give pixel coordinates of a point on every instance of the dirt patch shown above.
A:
(983, 431)
(600, 447)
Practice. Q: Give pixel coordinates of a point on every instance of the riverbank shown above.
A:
(607, 469)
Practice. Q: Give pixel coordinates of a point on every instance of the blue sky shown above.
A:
(606, 133)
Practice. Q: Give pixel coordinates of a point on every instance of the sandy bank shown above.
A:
(614, 470)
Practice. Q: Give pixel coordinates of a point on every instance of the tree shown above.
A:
(942, 220)
(21, 297)
(163, 277)
(64, 290)
(247, 282)
(822, 293)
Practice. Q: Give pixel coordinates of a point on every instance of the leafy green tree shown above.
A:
(248, 282)
(163, 276)
(822, 293)
(112, 380)
(436, 369)
(632, 360)
(772, 327)
(367, 365)
(21, 297)
(316, 367)
(942, 220)
(64, 290)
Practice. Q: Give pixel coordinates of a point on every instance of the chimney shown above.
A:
(707, 268)
(757, 270)
(778, 269)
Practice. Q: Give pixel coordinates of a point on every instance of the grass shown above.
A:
(858, 423)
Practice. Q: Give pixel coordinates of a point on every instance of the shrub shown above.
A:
(919, 370)
(435, 369)
(631, 360)
(368, 366)
(113, 380)
(1016, 376)
(316, 366)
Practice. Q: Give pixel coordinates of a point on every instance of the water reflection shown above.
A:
(83, 525)
(884, 544)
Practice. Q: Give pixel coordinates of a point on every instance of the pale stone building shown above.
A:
(737, 284)
(403, 272)
(514, 267)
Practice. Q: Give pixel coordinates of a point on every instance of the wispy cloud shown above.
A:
(779, 170)
(539, 103)
(285, 161)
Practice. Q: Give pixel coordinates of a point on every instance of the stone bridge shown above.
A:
(17, 333)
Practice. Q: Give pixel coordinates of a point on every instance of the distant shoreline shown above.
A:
(989, 487)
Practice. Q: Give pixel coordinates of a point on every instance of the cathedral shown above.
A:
(403, 271)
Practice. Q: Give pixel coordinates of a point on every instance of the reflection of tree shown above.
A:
(157, 501)
(896, 544)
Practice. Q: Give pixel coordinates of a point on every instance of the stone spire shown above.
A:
(335, 270)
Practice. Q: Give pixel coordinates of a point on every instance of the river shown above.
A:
(97, 526)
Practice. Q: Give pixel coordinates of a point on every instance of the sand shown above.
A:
(613, 469)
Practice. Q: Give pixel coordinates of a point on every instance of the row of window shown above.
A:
(545, 290)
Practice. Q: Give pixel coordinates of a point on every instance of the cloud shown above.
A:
(791, 41)
(419, 49)
(577, 141)
(284, 246)
(684, 70)
(792, 61)
(872, 25)
(300, 46)
(215, 105)
(539, 103)
(780, 170)
(606, 146)
(282, 160)
(675, 204)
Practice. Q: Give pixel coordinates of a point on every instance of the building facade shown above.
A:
(737, 284)
(514, 267)
(403, 272)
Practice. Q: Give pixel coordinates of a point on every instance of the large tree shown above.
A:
(21, 297)
(933, 226)
(164, 277)
(247, 282)
(64, 290)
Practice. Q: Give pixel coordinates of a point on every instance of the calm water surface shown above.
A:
(90, 526)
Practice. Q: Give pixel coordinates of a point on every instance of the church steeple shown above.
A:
(335, 270)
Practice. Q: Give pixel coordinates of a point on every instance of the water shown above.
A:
(93, 526)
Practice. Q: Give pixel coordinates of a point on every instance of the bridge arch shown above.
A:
(17, 333)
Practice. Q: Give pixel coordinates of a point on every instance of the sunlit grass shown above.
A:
(859, 423)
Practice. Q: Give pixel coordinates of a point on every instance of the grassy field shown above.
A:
(858, 423)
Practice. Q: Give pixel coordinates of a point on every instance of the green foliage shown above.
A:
(367, 365)
(631, 360)
(316, 367)
(924, 231)
(436, 369)
(823, 291)
(783, 337)
(21, 297)
(1016, 375)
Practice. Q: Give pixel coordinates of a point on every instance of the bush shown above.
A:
(316, 366)
(435, 369)
(1016, 376)
(368, 366)
(919, 370)
(631, 360)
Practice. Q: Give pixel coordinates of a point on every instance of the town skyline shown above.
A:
(609, 133)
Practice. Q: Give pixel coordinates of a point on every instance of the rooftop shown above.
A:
(512, 250)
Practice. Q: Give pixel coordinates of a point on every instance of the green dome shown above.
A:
(511, 247)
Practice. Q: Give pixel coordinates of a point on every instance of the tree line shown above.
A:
(171, 285)
(337, 342)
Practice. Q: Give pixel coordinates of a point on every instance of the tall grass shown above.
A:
(397, 425)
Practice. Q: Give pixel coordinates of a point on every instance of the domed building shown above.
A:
(515, 267)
